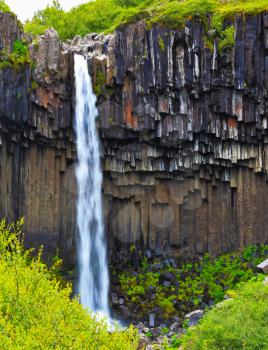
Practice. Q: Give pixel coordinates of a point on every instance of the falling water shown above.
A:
(93, 269)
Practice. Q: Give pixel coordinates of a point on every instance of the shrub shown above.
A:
(37, 313)
(240, 323)
(17, 58)
(228, 38)
(4, 7)
(20, 48)
(106, 15)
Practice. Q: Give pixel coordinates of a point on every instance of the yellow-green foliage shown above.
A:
(227, 39)
(106, 15)
(161, 43)
(34, 85)
(4, 7)
(99, 83)
(240, 323)
(17, 58)
(37, 313)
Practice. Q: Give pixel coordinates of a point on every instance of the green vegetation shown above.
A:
(106, 15)
(4, 7)
(227, 38)
(190, 285)
(161, 43)
(239, 323)
(99, 82)
(17, 58)
(34, 85)
(36, 311)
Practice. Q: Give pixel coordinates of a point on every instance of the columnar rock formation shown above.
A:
(183, 131)
(37, 142)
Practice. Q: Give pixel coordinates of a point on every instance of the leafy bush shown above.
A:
(37, 313)
(240, 323)
(17, 58)
(106, 15)
(20, 48)
(4, 7)
(193, 283)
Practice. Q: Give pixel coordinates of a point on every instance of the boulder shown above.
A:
(114, 298)
(156, 331)
(150, 347)
(263, 266)
(174, 327)
(145, 330)
(194, 317)
(143, 342)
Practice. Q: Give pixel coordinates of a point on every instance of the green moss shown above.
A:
(99, 83)
(111, 122)
(167, 307)
(161, 43)
(4, 64)
(132, 247)
(34, 85)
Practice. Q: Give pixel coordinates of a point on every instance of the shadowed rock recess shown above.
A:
(183, 133)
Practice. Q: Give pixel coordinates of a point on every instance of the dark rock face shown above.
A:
(36, 146)
(184, 138)
(183, 133)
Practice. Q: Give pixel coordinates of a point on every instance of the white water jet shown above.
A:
(93, 267)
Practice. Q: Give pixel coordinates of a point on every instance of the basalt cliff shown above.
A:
(183, 131)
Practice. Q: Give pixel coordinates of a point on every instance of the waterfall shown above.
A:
(93, 268)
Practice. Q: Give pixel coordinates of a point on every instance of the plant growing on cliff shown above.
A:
(227, 38)
(37, 313)
(17, 58)
(161, 43)
(99, 82)
(4, 7)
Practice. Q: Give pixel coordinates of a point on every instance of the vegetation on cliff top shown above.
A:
(4, 7)
(238, 323)
(106, 15)
(36, 311)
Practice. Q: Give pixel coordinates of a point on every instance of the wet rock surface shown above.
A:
(183, 132)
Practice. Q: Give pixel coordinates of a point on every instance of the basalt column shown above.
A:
(183, 131)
